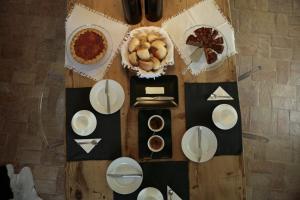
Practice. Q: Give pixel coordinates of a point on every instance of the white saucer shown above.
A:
(150, 193)
(98, 97)
(84, 122)
(189, 144)
(124, 185)
(224, 116)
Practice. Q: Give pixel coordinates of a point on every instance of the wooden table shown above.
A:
(220, 178)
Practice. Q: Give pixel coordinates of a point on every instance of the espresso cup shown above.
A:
(156, 143)
(156, 123)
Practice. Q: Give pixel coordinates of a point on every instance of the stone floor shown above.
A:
(31, 93)
(268, 34)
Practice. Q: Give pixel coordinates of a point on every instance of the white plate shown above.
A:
(84, 122)
(202, 61)
(150, 193)
(98, 96)
(224, 116)
(124, 185)
(108, 51)
(189, 144)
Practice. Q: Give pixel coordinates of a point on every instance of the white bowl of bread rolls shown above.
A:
(148, 51)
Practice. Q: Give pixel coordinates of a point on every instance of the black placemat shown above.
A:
(108, 128)
(160, 174)
(138, 85)
(199, 112)
(145, 133)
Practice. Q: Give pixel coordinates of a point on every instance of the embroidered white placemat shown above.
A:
(204, 13)
(114, 31)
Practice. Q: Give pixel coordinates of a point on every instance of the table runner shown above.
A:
(108, 129)
(199, 112)
(160, 174)
(204, 13)
(82, 15)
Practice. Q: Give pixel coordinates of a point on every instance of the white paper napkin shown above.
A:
(204, 13)
(87, 147)
(174, 195)
(221, 95)
(82, 15)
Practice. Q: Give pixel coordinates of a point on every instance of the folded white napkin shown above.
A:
(114, 32)
(87, 147)
(174, 195)
(204, 13)
(221, 94)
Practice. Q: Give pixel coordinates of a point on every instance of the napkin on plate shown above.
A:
(221, 94)
(204, 13)
(87, 147)
(81, 16)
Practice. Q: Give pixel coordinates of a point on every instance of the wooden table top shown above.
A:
(220, 178)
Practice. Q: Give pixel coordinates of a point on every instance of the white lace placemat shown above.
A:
(204, 13)
(114, 31)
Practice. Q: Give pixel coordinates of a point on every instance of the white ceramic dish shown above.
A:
(124, 185)
(150, 193)
(98, 97)
(224, 116)
(189, 144)
(84, 122)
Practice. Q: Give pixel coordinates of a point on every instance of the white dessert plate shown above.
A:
(224, 116)
(98, 97)
(124, 166)
(189, 144)
(84, 122)
(150, 193)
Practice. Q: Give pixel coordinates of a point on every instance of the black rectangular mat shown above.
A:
(108, 128)
(145, 133)
(199, 112)
(160, 174)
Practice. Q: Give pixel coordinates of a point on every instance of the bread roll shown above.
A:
(156, 63)
(143, 54)
(160, 52)
(133, 59)
(153, 36)
(146, 65)
(133, 44)
(145, 45)
(158, 43)
(142, 37)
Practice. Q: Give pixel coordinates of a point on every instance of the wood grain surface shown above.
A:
(220, 178)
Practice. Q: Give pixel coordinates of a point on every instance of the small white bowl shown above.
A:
(84, 122)
(150, 193)
(224, 116)
(162, 125)
(156, 150)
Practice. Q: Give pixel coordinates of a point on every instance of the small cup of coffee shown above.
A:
(156, 143)
(156, 123)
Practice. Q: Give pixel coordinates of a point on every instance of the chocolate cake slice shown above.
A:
(218, 48)
(210, 55)
(194, 41)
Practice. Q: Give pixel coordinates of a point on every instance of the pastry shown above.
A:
(160, 52)
(146, 45)
(158, 43)
(143, 54)
(88, 46)
(208, 39)
(156, 63)
(146, 65)
(152, 36)
(133, 59)
(133, 44)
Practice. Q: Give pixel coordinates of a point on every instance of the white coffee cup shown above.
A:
(156, 123)
(156, 143)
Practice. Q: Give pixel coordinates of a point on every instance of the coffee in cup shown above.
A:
(156, 143)
(156, 123)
